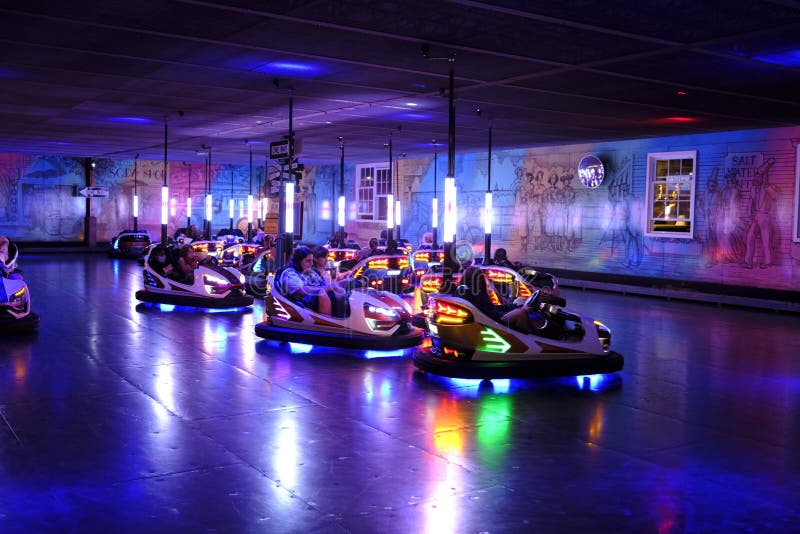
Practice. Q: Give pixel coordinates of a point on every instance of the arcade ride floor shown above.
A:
(123, 417)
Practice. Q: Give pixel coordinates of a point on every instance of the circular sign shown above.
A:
(591, 171)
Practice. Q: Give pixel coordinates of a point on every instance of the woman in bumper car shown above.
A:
(295, 285)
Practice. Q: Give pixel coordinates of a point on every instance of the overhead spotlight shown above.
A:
(425, 49)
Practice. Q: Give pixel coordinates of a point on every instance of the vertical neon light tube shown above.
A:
(135, 206)
(289, 207)
(397, 211)
(390, 212)
(250, 211)
(209, 205)
(231, 205)
(164, 204)
(435, 213)
(264, 207)
(449, 209)
(340, 211)
(189, 207)
(487, 214)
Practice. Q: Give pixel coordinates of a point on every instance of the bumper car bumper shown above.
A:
(16, 326)
(427, 359)
(349, 340)
(231, 301)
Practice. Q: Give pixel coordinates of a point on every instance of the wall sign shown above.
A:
(591, 171)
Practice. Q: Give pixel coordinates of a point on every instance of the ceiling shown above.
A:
(98, 79)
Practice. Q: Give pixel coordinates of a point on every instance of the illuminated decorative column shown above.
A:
(209, 212)
(164, 211)
(164, 190)
(389, 218)
(340, 213)
(450, 210)
(288, 208)
(250, 216)
(487, 210)
(397, 217)
(135, 194)
(341, 206)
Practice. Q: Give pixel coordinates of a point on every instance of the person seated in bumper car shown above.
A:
(319, 276)
(4, 242)
(501, 258)
(474, 288)
(525, 319)
(294, 285)
(159, 263)
(371, 250)
(186, 264)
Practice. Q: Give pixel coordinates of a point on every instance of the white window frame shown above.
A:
(796, 232)
(666, 195)
(369, 210)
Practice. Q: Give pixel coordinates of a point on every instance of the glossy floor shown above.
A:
(118, 417)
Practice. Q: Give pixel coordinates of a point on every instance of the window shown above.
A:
(373, 185)
(670, 194)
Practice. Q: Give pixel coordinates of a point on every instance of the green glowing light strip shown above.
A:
(493, 342)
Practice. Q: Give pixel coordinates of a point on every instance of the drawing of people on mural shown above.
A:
(762, 200)
(572, 225)
(532, 200)
(711, 207)
(621, 232)
(6, 194)
(730, 244)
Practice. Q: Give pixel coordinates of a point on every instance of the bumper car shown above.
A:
(256, 272)
(384, 272)
(214, 286)
(15, 301)
(466, 342)
(239, 254)
(130, 244)
(423, 259)
(508, 284)
(342, 259)
(372, 319)
(209, 249)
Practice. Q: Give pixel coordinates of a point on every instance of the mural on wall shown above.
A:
(115, 212)
(739, 215)
(743, 208)
(38, 199)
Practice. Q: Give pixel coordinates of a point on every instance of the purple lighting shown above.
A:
(412, 116)
(789, 58)
(291, 68)
(130, 120)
